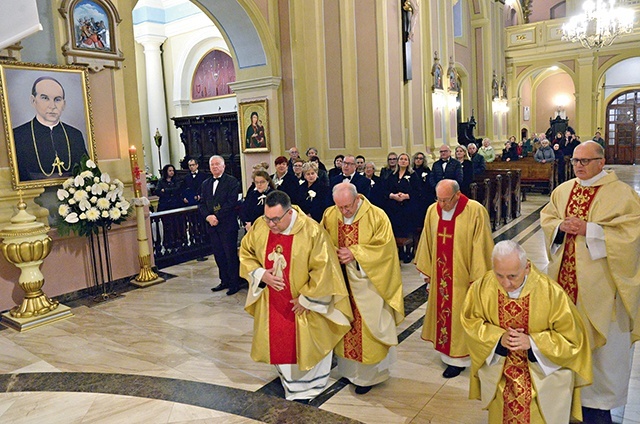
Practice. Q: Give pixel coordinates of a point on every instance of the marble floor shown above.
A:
(178, 353)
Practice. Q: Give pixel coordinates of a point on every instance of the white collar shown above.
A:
(591, 181)
(294, 216)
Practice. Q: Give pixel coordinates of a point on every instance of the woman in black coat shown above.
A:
(462, 156)
(253, 206)
(168, 190)
(314, 195)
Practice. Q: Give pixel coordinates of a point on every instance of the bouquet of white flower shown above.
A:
(90, 200)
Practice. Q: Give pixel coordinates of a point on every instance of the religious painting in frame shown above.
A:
(91, 36)
(254, 126)
(46, 111)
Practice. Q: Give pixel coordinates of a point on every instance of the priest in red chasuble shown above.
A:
(454, 250)
(592, 234)
(296, 295)
(529, 347)
(362, 236)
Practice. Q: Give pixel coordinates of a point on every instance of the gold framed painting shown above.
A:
(254, 126)
(46, 110)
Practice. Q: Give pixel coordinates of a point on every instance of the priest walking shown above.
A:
(362, 236)
(296, 296)
(454, 250)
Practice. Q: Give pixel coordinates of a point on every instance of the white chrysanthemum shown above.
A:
(96, 179)
(62, 194)
(79, 195)
(67, 183)
(114, 214)
(105, 186)
(72, 218)
(83, 216)
(93, 199)
(105, 178)
(91, 164)
(93, 214)
(86, 174)
(103, 203)
(105, 214)
(87, 189)
(63, 210)
(72, 190)
(84, 205)
(72, 202)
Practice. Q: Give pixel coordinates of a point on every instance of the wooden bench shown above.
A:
(489, 193)
(533, 175)
(511, 191)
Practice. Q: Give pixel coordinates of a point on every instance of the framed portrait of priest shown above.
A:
(254, 126)
(46, 111)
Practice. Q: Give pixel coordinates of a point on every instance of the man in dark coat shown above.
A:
(362, 183)
(191, 184)
(445, 168)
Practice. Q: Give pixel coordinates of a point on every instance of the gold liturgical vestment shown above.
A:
(600, 281)
(553, 323)
(310, 266)
(371, 241)
(454, 254)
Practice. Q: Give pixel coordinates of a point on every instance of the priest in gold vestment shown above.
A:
(454, 250)
(362, 236)
(529, 349)
(296, 296)
(592, 234)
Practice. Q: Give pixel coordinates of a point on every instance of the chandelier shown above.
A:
(599, 25)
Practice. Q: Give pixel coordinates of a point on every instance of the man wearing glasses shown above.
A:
(297, 296)
(349, 174)
(593, 239)
(445, 168)
(454, 250)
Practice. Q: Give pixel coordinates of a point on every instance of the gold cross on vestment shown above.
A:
(444, 236)
(58, 163)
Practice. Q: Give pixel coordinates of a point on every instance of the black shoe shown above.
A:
(219, 287)
(302, 401)
(452, 371)
(361, 390)
(233, 291)
(596, 416)
(202, 259)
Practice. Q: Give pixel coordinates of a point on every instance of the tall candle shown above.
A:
(135, 171)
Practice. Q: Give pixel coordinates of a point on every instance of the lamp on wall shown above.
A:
(561, 101)
(599, 25)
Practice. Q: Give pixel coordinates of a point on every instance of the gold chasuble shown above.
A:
(453, 253)
(376, 271)
(597, 283)
(513, 389)
(309, 266)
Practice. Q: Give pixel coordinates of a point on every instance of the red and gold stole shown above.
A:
(444, 276)
(348, 236)
(517, 394)
(282, 320)
(578, 205)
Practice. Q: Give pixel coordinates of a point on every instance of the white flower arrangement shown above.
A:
(311, 195)
(90, 199)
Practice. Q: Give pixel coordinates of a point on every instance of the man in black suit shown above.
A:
(445, 168)
(218, 199)
(362, 183)
(191, 184)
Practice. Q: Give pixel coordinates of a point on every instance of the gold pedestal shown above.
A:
(147, 276)
(24, 324)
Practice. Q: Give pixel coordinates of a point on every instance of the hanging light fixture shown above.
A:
(599, 24)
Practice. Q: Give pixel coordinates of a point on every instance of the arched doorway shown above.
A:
(622, 133)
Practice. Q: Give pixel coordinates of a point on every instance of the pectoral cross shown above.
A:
(58, 163)
(444, 236)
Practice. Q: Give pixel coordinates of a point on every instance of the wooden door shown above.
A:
(623, 133)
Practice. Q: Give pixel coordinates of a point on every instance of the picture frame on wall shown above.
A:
(91, 33)
(46, 111)
(253, 121)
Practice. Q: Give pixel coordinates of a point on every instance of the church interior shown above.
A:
(166, 81)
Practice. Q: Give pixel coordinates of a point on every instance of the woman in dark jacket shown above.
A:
(462, 156)
(253, 206)
(427, 192)
(168, 189)
(315, 196)
(510, 152)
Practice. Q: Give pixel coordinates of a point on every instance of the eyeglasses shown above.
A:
(419, 158)
(445, 151)
(446, 200)
(583, 162)
(348, 163)
(390, 159)
(297, 165)
(275, 220)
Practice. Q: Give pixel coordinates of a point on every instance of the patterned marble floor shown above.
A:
(178, 353)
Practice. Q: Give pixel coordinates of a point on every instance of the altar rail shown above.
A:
(179, 235)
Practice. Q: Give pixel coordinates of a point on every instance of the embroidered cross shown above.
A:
(445, 236)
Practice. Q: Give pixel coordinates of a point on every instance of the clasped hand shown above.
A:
(515, 339)
(574, 225)
(272, 280)
(345, 256)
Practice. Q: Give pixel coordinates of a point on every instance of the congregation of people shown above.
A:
(322, 263)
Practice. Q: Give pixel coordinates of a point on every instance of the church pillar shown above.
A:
(156, 102)
(584, 99)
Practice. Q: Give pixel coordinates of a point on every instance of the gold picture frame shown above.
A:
(48, 132)
(255, 134)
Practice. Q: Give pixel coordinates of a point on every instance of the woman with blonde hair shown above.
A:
(314, 195)
(486, 151)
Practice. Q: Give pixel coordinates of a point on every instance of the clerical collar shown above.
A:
(448, 215)
(51, 127)
(294, 216)
(516, 293)
(591, 181)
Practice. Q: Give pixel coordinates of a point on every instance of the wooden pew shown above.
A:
(511, 190)
(533, 174)
(488, 192)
